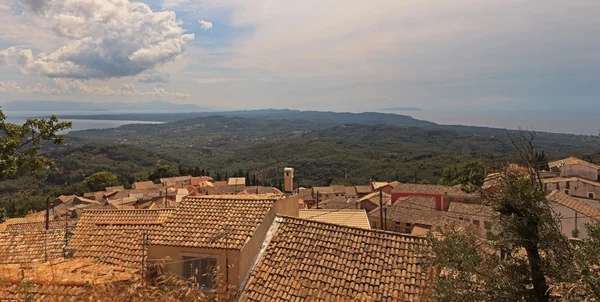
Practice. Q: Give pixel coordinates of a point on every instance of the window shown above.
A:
(451, 198)
(487, 225)
(476, 222)
(200, 269)
(397, 222)
(591, 195)
(460, 218)
(467, 220)
(398, 229)
(374, 225)
(568, 185)
(567, 192)
(557, 186)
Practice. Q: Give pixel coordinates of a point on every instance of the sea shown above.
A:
(19, 117)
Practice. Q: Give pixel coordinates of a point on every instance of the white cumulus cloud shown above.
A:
(205, 25)
(104, 39)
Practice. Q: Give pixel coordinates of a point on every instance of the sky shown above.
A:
(304, 54)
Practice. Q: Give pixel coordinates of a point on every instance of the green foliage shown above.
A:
(99, 181)
(163, 171)
(470, 175)
(20, 145)
(3, 214)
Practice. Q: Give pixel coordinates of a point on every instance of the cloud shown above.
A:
(205, 25)
(104, 39)
(68, 87)
(154, 77)
(212, 80)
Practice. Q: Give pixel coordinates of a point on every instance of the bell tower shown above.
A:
(288, 176)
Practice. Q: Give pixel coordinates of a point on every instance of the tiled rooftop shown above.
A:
(308, 260)
(337, 202)
(115, 236)
(203, 221)
(348, 217)
(572, 161)
(574, 203)
(428, 189)
(27, 247)
(566, 179)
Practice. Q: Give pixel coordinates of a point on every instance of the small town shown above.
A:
(257, 243)
(299, 151)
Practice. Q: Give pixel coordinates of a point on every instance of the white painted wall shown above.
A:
(568, 222)
(579, 171)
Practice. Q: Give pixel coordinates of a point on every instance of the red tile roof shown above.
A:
(308, 260)
(203, 221)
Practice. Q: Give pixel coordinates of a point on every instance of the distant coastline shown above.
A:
(401, 109)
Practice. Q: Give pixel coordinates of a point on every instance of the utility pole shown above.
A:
(47, 227)
(381, 208)
(317, 200)
(385, 218)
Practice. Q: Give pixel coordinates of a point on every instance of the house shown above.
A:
(177, 180)
(350, 192)
(323, 192)
(338, 202)
(116, 237)
(261, 190)
(383, 186)
(115, 189)
(307, 260)
(306, 194)
(372, 201)
(481, 216)
(443, 195)
(574, 186)
(574, 167)
(575, 213)
(410, 212)
(143, 185)
(362, 191)
(222, 233)
(339, 190)
(349, 217)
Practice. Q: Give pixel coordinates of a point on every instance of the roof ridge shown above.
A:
(352, 227)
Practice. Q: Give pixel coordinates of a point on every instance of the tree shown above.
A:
(470, 175)
(3, 214)
(532, 249)
(163, 171)
(20, 145)
(99, 181)
(197, 172)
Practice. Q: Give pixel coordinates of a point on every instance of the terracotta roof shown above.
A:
(27, 247)
(65, 198)
(224, 189)
(27, 219)
(40, 226)
(115, 236)
(363, 189)
(379, 184)
(142, 185)
(428, 189)
(261, 190)
(348, 217)
(416, 210)
(115, 189)
(565, 179)
(492, 180)
(350, 191)
(323, 190)
(572, 161)
(308, 260)
(574, 203)
(339, 189)
(374, 198)
(305, 194)
(337, 202)
(458, 208)
(203, 221)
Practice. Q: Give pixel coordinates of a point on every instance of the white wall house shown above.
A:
(575, 167)
(574, 186)
(574, 213)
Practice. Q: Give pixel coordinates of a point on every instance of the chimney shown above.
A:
(288, 176)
